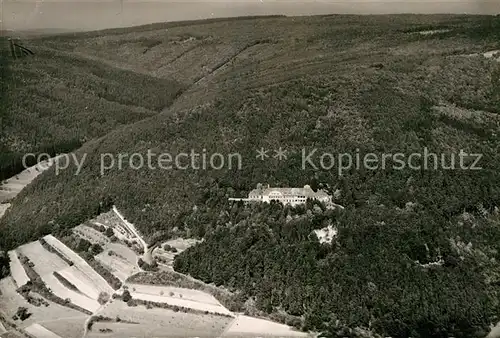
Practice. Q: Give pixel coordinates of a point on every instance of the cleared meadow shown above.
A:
(39, 331)
(120, 260)
(93, 279)
(196, 300)
(67, 327)
(16, 269)
(253, 327)
(10, 301)
(158, 323)
(91, 235)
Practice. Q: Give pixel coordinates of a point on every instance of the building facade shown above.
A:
(291, 196)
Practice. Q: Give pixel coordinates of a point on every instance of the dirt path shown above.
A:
(132, 229)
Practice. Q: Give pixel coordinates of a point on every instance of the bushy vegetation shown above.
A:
(4, 265)
(22, 314)
(148, 267)
(401, 264)
(232, 301)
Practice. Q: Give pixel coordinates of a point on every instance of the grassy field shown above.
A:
(81, 274)
(158, 323)
(54, 102)
(336, 83)
(66, 327)
(39, 331)
(120, 260)
(11, 300)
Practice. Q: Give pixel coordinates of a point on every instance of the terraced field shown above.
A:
(192, 299)
(119, 260)
(16, 269)
(245, 326)
(38, 331)
(45, 263)
(10, 301)
(158, 323)
(91, 235)
(81, 268)
(67, 327)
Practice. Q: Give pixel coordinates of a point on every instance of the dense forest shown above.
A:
(416, 250)
(52, 103)
(399, 272)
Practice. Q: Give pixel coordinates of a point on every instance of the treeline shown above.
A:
(65, 282)
(4, 264)
(5, 79)
(132, 302)
(232, 301)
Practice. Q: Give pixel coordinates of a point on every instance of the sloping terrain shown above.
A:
(53, 102)
(339, 84)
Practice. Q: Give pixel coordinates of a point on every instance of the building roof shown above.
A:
(305, 191)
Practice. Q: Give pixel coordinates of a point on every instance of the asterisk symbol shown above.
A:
(262, 154)
(280, 154)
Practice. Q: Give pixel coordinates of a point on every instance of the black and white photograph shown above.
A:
(249, 169)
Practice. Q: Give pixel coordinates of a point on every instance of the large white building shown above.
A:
(292, 196)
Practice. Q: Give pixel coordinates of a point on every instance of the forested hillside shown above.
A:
(402, 273)
(340, 84)
(53, 102)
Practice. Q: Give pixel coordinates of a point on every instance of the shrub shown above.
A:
(126, 296)
(103, 298)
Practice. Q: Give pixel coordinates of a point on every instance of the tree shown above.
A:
(83, 245)
(4, 265)
(22, 313)
(126, 297)
(96, 249)
(109, 232)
